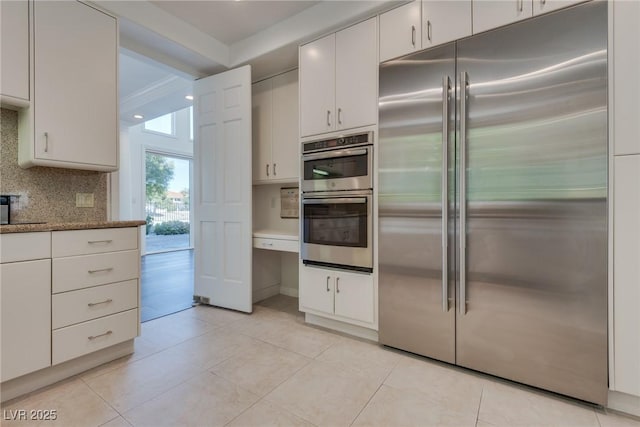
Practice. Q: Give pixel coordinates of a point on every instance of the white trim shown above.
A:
(623, 402)
(44, 377)
(357, 331)
(610, 225)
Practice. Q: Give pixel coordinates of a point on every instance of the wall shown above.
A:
(46, 194)
(134, 141)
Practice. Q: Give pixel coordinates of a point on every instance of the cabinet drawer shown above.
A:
(276, 244)
(86, 242)
(73, 307)
(92, 270)
(25, 246)
(77, 340)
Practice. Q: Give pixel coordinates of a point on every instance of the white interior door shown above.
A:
(223, 229)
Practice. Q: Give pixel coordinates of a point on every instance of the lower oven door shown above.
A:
(337, 230)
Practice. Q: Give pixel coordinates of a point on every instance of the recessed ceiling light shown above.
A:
(138, 116)
(189, 97)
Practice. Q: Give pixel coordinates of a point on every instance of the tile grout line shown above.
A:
(479, 405)
(374, 393)
(189, 378)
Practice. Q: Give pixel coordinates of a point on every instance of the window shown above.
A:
(163, 124)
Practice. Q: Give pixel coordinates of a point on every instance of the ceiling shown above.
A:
(232, 21)
(165, 45)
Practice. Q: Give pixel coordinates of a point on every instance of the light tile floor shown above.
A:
(210, 367)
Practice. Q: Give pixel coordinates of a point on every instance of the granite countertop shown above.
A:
(60, 226)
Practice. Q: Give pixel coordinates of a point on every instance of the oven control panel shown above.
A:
(343, 141)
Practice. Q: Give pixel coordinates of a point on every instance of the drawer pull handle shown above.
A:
(95, 242)
(107, 301)
(100, 270)
(267, 244)
(93, 337)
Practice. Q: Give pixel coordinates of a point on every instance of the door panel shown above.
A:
(412, 316)
(536, 180)
(317, 86)
(356, 76)
(223, 244)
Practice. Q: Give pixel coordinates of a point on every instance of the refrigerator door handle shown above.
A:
(446, 90)
(464, 89)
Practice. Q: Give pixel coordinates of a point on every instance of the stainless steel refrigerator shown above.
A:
(493, 202)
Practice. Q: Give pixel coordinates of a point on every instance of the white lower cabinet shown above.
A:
(95, 283)
(83, 338)
(73, 307)
(344, 296)
(25, 304)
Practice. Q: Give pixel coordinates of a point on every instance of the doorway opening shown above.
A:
(167, 203)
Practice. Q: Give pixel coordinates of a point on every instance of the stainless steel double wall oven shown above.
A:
(337, 202)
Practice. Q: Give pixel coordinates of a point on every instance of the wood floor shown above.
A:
(167, 283)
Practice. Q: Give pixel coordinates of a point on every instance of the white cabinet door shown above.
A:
(356, 76)
(543, 6)
(284, 148)
(25, 317)
(444, 21)
(625, 82)
(317, 86)
(75, 95)
(354, 296)
(261, 118)
(14, 49)
(489, 14)
(316, 289)
(400, 31)
(627, 274)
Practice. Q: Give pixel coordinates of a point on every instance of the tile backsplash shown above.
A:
(46, 194)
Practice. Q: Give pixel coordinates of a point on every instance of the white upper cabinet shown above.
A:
(356, 76)
(261, 117)
(317, 86)
(338, 80)
(400, 31)
(73, 121)
(14, 52)
(275, 129)
(445, 21)
(285, 155)
(544, 6)
(489, 14)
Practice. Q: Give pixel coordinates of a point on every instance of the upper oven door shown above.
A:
(347, 169)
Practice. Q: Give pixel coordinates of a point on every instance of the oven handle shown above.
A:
(337, 200)
(334, 154)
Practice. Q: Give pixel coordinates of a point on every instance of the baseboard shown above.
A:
(44, 377)
(623, 402)
(290, 292)
(264, 293)
(357, 331)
